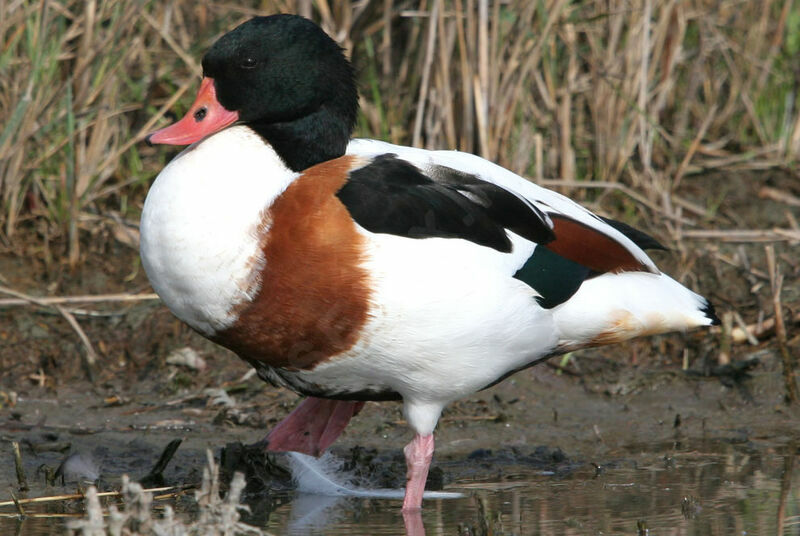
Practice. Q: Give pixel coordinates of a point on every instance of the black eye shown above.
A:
(248, 63)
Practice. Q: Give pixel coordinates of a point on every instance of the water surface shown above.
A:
(707, 488)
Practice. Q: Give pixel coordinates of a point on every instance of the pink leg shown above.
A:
(418, 459)
(313, 425)
(412, 519)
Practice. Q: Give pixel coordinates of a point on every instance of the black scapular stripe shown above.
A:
(640, 238)
(392, 196)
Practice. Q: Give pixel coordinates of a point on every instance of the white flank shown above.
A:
(447, 318)
(199, 231)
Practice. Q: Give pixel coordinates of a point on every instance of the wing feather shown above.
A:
(593, 229)
(391, 195)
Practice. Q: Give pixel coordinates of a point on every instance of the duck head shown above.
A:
(281, 76)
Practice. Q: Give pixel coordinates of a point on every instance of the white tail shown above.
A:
(615, 307)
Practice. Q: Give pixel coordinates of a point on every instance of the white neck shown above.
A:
(202, 225)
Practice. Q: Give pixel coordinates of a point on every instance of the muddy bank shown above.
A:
(599, 417)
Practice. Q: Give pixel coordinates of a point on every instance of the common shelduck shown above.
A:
(355, 270)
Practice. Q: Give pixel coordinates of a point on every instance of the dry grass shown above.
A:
(137, 518)
(639, 92)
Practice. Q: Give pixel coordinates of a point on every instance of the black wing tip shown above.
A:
(548, 233)
(711, 313)
(640, 238)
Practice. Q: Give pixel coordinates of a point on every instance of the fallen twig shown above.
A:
(726, 341)
(745, 235)
(749, 337)
(776, 280)
(15, 500)
(749, 270)
(56, 303)
(91, 355)
(76, 496)
(64, 300)
(21, 480)
(750, 160)
(779, 195)
(759, 330)
(40, 515)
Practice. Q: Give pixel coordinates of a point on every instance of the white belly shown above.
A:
(440, 330)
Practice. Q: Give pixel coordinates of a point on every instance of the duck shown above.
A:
(355, 270)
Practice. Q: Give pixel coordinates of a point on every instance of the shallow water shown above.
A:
(704, 488)
(720, 490)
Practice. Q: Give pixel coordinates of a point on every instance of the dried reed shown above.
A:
(644, 92)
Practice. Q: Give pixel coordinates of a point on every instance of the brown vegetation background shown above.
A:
(641, 93)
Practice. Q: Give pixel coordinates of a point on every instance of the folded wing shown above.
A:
(416, 195)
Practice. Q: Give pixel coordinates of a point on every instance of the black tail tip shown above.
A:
(709, 311)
